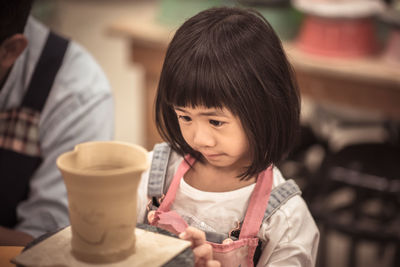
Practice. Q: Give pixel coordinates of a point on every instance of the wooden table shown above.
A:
(366, 84)
(7, 253)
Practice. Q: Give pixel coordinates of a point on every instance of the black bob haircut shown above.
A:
(231, 57)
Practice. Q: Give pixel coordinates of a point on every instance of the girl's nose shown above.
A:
(203, 138)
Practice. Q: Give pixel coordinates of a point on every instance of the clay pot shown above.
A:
(345, 38)
(337, 28)
(101, 180)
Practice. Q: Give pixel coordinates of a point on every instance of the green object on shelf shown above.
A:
(175, 12)
(285, 20)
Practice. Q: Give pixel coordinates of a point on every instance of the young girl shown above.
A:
(228, 107)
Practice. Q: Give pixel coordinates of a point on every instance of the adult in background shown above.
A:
(53, 95)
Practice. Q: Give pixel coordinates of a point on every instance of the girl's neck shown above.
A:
(210, 179)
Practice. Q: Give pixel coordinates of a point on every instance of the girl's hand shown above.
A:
(201, 250)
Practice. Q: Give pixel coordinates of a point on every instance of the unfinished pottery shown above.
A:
(101, 180)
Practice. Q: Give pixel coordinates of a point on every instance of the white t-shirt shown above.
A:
(290, 235)
(192, 203)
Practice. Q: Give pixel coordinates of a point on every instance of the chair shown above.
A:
(369, 175)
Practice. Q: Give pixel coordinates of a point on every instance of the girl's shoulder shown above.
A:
(290, 217)
(290, 227)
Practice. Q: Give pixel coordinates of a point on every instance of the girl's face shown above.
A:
(217, 134)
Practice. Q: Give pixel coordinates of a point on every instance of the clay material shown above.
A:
(101, 180)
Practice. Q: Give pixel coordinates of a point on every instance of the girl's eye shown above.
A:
(184, 118)
(216, 123)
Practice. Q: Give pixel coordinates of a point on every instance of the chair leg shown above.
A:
(322, 250)
(352, 261)
(396, 259)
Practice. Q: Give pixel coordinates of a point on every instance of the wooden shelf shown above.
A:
(368, 84)
(373, 69)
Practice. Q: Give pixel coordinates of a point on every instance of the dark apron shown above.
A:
(20, 153)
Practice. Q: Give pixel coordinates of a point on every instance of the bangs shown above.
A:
(200, 81)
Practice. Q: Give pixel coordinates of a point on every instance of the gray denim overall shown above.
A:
(159, 181)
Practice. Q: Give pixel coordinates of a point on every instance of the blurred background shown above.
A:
(346, 56)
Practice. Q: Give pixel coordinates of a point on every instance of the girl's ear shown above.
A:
(11, 49)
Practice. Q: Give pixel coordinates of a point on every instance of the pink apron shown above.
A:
(236, 253)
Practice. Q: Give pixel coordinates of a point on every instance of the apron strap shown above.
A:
(257, 205)
(279, 196)
(173, 188)
(45, 72)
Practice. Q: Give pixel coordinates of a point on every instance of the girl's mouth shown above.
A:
(212, 155)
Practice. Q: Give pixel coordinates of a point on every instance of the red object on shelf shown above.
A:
(337, 37)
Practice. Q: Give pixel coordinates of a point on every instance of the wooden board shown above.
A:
(152, 249)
